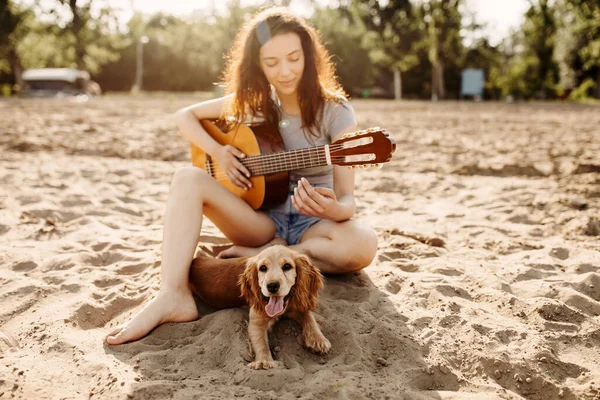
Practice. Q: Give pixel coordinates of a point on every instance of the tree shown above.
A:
(539, 31)
(444, 23)
(12, 21)
(584, 32)
(341, 31)
(393, 30)
(90, 38)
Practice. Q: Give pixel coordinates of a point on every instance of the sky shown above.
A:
(499, 16)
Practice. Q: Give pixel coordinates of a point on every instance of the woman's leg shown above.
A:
(339, 247)
(192, 194)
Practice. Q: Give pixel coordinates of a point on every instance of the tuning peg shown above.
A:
(379, 165)
(364, 166)
(351, 166)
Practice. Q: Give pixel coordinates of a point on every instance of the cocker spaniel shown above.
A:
(277, 282)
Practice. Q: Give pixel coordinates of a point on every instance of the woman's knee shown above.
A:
(366, 247)
(361, 247)
(189, 177)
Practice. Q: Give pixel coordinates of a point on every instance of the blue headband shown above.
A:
(263, 33)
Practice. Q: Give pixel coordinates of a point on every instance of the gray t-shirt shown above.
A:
(336, 117)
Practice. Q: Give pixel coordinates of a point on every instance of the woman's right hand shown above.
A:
(228, 159)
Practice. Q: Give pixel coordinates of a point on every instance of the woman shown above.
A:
(277, 69)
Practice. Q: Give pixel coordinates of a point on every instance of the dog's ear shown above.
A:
(248, 282)
(308, 283)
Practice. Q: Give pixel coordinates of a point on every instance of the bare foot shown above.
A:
(241, 251)
(167, 306)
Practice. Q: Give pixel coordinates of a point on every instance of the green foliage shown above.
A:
(539, 33)
(392, 33)
(580, 43)
(88, 40)
(182, 54)
(556, 49)
(341, 32)
(583, 91)
(443, 39)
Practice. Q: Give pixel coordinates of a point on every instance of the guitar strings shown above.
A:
(270, 161)
(264, 158)
(285, 159)
(222, 174)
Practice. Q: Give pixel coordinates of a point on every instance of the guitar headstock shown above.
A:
(365, 148)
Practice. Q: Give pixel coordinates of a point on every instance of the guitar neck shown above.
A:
(264, 164)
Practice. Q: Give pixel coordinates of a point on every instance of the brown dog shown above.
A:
(275, 282)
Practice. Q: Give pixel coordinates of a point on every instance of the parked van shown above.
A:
(50, 82)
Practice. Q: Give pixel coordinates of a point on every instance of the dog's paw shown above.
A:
(263, 364)
(317, 344)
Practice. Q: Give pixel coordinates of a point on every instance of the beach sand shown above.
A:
(486, 284)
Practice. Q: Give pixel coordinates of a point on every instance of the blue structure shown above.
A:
(472, 83)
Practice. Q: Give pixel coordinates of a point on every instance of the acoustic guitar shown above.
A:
(269, 164)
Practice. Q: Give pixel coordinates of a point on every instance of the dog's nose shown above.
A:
(273, 287)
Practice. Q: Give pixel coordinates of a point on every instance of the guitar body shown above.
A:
(267, 190)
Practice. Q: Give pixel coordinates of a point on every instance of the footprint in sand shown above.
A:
(453, 291)
(134, 268)
(7, 343)
(24, 266)
(104, 258)
(131, 200)
(4, 229)
(75, 203)
(107, 282)
(58, 263)
(589, 285)
(131, 211)
(394, 284)
(90, 315)
(560, 253)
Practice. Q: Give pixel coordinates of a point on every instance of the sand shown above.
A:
(486, 284)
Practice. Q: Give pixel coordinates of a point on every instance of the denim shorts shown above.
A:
(291, 227)
(290, 223)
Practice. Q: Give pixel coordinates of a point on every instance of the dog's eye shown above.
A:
(262, 268)
(286, 267)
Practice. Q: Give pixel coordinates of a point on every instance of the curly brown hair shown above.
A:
(244, 77)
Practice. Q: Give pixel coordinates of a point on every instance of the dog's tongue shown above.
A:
(275, 306)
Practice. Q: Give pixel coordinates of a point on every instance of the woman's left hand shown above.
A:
(314, 201)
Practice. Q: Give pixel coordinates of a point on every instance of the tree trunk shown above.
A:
(440, 80)
(17, 68)
(434, 81)
(598, 84)
(76, 26)
(397, 84)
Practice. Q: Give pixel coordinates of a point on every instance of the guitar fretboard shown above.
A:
(264, 164)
